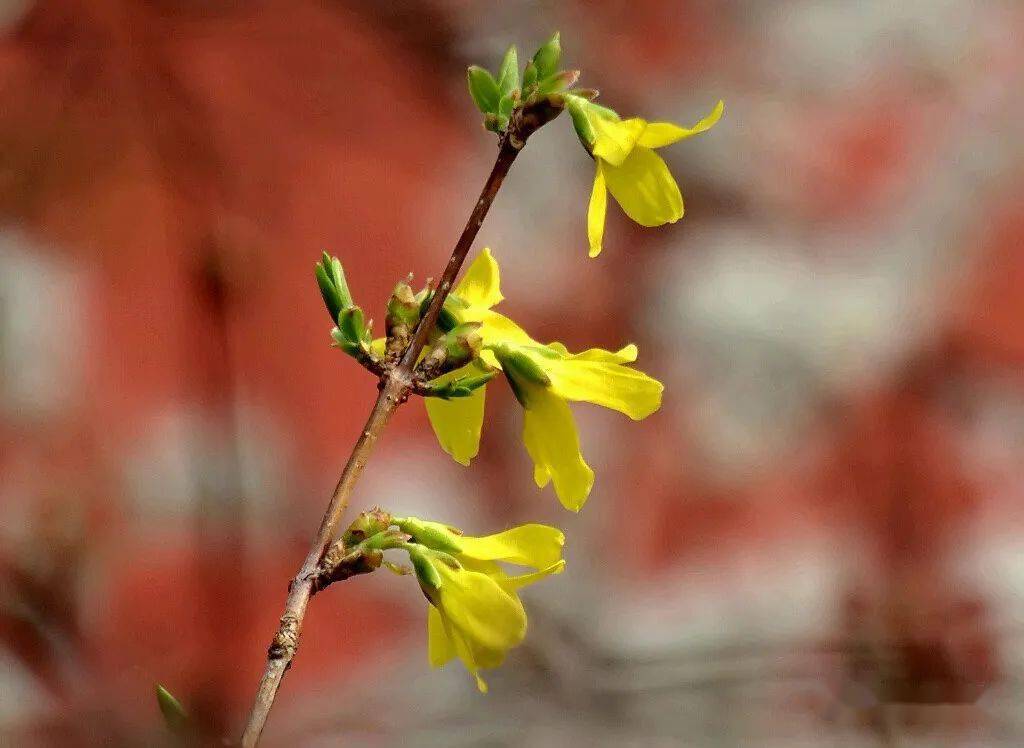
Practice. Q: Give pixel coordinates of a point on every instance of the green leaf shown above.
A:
(174, 714)
(506, 105)
(330, 277)
(546, 58)
(508, 73)
(483, 88)
(529, 76)
(558, 82)
(353, 328)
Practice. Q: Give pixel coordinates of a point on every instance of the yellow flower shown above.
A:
(475, 612)
(544, 379)
(628, 167)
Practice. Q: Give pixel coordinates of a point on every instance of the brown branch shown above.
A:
(395, 386)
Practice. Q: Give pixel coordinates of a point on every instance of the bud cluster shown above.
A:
(452, 346)
(541, 83)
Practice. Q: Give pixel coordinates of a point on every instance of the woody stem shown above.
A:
(395, 386)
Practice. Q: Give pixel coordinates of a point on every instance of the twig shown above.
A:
(396, 384)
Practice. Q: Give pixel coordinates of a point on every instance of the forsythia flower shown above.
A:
(544, 379)
(628, 167)
(475, 612)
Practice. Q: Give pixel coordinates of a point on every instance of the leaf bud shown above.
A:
(546, 58)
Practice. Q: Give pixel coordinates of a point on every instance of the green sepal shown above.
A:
(330, 277)
(558, 82)
(173, 712)
(546, 58)
(423, 565)
(508, 73)
(483, 88)
(433, 535)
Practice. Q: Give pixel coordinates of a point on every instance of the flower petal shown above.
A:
(481, 285)
(660, 134)
(439, 647)
(605, 382)
(523, 580)
(529, 545)
(549, 433)
(457, 422)
(597, 212)
(488, 619)
(645, 188)
(615, 139)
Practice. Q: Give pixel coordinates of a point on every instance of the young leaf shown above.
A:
(558, 82)
(529, 76)
(174, 714)
(548, 56)
(508, 73)
(483, 88)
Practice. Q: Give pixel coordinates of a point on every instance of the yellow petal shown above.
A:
(439, 647)
(518, 582)
(529, 545)
(487, 619)
(481, 285)
(377, 347)
(549, 433)
(660, 134)
(496, 328)
(645, 188)
(605, 382)
(625, 355)
(457, 422)
(597, 212)
(615, 139)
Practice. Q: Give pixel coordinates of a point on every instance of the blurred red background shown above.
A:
(817, 537)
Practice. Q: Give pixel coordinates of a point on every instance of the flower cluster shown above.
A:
(475, 613)
(544, 379)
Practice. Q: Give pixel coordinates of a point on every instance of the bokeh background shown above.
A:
(818, 540)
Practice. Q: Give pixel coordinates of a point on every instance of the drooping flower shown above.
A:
(475, 612)
(544, 378)
(628, 167)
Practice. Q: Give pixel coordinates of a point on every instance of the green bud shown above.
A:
(483, 88)
(508, 73)
(462, 386)
(433, 535)
(578, 110)
(403, 309)
(546, 58)
(529, 76)
(423, 564)
(558, 82)
(462, 344)
(520, 369)
(173, 713)
(330, 276)
(366, 525)
(354, 334)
